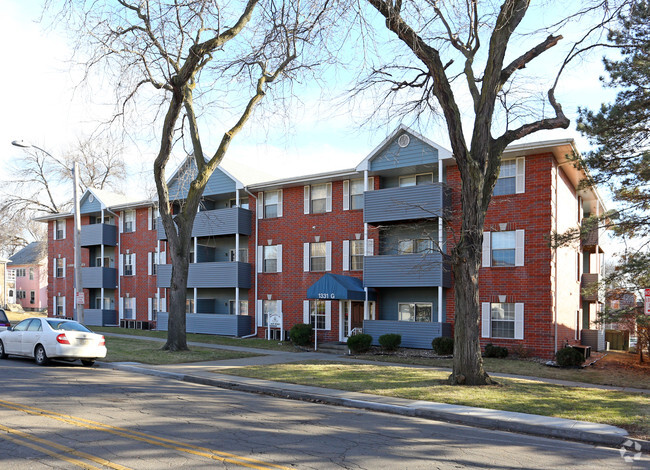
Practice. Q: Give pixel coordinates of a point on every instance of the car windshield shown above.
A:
(67, 325)
(3, 317)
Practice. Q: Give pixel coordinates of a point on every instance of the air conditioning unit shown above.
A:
(275, 335)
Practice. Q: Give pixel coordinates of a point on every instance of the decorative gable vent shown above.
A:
(403, 140)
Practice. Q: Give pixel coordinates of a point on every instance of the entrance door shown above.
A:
(356, 316)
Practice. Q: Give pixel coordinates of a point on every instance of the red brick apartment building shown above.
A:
(361, 249)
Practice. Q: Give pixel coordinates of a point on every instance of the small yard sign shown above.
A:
(647, 302)
(80, 298)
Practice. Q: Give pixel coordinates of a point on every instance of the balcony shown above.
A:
(97, 277)
(589, 238)
(217, 222)
(100, 317)
(414, 334)
(407, 203)
(211, 324)
(209, 275)
(589, 287)
(98, 234)
(415, 270)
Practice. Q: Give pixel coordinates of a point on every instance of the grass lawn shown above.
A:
(599, 373)
(148, 352)
(627, 410)
(15, 317)
(199, 338)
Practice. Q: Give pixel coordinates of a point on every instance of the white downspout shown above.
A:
(255, 270)
(366, 312)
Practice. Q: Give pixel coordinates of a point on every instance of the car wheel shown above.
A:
(88, 362)
(3, 354)
(40, 356)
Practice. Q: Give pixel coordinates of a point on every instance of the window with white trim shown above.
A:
(511, 179)
(129, 221)
(60, 267)
(317, 256)
(356, 194)
(318, 204)
(317, 314)
(271, 202)
(155, 213)
(129, 259)
(502, 318)
(189, 305)
(417, 245)
(153, 260)
(356, 255)
(416, 180)
(59, 306)
(243, 202)
(269, 307)
(270, 259)
(503, 248)
(20, 272)
(129, 308)
(20, 294)
(243, 307)
(415, 311)
(31, 274)
(59, 229)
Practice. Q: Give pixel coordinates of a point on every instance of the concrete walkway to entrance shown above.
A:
(207, 373)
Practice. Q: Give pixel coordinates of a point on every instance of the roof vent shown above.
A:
(91, 198)
(403, 140)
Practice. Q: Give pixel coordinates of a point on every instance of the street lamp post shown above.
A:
(79, 297)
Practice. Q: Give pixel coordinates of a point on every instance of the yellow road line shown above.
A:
(154, 440)
(20, 442)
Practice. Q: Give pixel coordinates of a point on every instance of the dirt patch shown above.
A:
(621, 360)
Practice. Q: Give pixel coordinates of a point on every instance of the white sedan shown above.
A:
(52, 338)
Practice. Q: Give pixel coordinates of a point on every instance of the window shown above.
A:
(317, 314)
(20, 294)
(20, 272)
(129, 259)
(418, 245)
(502, 317)
(270, 259)
(503, 248)
(129, 308)
(189, 305)
(418, 312)
(155, 213)
(32, 297)
(59, 306)
(59, 267)
(31, 274)
(243, 202)
(356, 194)
(271, 202)
(269, 307)
(317, 256)
(129, 221)
(59, 229)
(416, 180)
(511, 178)
(153, 263)
(319, 198)
(243, 255)
(356, 255)
(243, 307)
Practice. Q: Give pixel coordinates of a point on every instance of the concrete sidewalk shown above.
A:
(206, 373)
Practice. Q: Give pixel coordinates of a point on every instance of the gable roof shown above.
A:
(31, 254)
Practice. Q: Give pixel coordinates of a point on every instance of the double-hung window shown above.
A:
(31, 274)
(415, 312)
(129, 221)
(511, 178)
(356, 194)
(417, 245)
(269, 307)
(502, 318)
(271, 201)
(60, 267)
(155, 213)
(503, 248)
(243, 307)
(59, 306)
(129, 308)
(129, 261)
(32, 297)
(317, 256)
(20, 272)
(270, 259)
(189, 305)
(317, 314)
(59, 229)
(319, 198)
(356, 255)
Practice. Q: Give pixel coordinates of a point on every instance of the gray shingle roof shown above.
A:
(31, 254)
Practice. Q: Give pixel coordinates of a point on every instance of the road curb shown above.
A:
(502, 421)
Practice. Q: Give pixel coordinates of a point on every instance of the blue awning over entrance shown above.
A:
(336, 286)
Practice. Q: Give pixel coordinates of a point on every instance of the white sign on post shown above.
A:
(275, 320)
(81, 299)
(646, 310)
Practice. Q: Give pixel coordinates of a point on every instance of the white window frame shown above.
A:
(486, 320)
(349, 195)
(129, 217)
(403, 179)
(308, 201)
(415, 306)
(520, 239)
(262, 204)
(59, 232)
(128, 261)
(307, 258)
(519, 175)
(125, 307)
(309, 309)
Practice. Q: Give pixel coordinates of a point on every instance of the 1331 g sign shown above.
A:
(323, 295)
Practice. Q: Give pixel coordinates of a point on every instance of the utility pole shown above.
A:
(79, 292)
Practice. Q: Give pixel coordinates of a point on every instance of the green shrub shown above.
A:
(359, 343)
(390, 341)
(495, 351)
(300, 334)
(443, 346)
(568, 356)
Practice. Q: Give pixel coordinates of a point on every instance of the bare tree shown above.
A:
(445, 37)
(192, 60)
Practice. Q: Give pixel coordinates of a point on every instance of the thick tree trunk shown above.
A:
(466, 261)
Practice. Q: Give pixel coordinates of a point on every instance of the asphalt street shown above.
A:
(67, 416)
